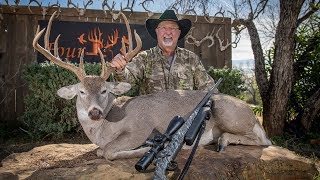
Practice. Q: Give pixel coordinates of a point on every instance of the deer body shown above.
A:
(125, 123)
(120, 125)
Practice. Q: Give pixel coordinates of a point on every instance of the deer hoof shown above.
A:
(99, 152)
(220, 148)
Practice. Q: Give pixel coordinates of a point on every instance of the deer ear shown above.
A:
(119, 88)
(68, 92)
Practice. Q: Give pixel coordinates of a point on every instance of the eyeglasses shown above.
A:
(167, 28)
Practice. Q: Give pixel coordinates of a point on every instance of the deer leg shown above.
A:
(124, 147)
(126, 154)
(99, 152)
(227, 138)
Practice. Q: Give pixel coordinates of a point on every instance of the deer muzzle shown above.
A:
(95, 114)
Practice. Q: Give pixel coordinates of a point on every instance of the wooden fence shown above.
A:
(17, 31)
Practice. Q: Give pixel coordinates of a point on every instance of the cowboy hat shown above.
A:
(168, 15)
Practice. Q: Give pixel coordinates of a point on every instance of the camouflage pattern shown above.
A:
(151, 71)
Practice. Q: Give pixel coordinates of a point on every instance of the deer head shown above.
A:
(94, 93)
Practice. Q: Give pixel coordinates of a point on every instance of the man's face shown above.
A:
(168, 33)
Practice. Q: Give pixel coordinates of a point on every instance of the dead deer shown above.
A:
(120, 125)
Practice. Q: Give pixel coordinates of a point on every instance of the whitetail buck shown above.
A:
(119, 125)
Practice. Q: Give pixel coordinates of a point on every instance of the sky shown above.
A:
(243, 50)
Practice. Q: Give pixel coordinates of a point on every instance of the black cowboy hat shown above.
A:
(168, 15)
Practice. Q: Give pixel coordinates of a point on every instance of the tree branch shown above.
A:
(314, 8)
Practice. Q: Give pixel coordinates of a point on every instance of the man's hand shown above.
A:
(118, 62)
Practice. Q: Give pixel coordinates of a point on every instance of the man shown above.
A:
(165, 66)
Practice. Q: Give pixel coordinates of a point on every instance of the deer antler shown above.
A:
(79, 71)
(44, 10)
(222, 47)
(211, 19)
(15, 6)
(128, 7)
(81, 11)
(37, 2)
(105, 3)
(190, 11)
(150, 13)
(114, 15)
(209, 36)
(127, 55)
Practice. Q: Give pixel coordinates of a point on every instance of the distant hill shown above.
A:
(243, 64)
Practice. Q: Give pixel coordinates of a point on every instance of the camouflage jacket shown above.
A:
(151, 72)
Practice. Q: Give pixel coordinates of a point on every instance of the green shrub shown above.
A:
(232, 83)
(257, 110)
(46, 114)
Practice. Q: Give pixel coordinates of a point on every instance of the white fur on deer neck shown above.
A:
(93, 128)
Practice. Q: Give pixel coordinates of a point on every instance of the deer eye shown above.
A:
(82, 92)
(104, 91)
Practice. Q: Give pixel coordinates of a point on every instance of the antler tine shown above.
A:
(81, 65)
(105, 73)
(222, 47)
(55, 47)
(128, 7)
(47, 34)
(55, 59)
(88, 3)
(144, 7)
(105, 3)
(129, 31)
(210, 37)
(131, 52)
(190, 36)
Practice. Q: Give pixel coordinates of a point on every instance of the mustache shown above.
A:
(167, 36)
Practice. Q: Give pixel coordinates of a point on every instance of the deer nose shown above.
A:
(95, 114)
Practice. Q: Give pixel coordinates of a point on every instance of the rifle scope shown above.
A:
(158, 143)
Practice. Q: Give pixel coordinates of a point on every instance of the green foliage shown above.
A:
(307, 64)
(316, 176)
(251, 94)
(269, 57)
(257, 110)
(232, 83)
(47, 114)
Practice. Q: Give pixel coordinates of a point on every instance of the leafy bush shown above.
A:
(46, 114)
(257, 110)
(232, 83)
(307, 65)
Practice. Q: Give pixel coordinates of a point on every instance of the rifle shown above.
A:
(170, 152)
(177, 134)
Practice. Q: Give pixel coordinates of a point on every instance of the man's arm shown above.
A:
(129, 72)
(203, 81)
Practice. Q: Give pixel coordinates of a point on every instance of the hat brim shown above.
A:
(152, 24)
